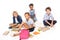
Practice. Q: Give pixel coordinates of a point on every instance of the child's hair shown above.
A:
(48, 8)
(31, 4)
(27, 13)
(15, 12)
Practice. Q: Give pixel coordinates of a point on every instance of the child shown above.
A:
(48, 18)
(29, 22)
(32, 12)
(17, 20)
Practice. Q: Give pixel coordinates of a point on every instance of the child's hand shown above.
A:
(51, 25)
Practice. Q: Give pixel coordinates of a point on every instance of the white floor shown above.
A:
(52, 34)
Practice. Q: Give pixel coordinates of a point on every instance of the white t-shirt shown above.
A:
(30, 21)
(16, 20)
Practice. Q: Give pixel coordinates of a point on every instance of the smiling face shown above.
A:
(48, 11)
(31, 7)
(27, 16)
(15, 14)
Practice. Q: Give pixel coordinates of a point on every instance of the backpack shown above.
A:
(24, 34)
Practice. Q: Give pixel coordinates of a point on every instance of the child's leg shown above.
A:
(45, 23)
(23, 24)
(49, 21)
(12, 25)
(18, 25)
(54, 22)
(31, 29)
(26, 26)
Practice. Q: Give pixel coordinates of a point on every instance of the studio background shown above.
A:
(21, 6)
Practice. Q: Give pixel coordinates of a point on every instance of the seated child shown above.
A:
(28, 24)
(48, 18)
(32, 12)
(17, 20)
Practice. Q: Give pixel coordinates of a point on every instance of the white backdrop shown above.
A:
(22, 6)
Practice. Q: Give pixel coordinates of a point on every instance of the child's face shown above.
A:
(31, 7)
(48, 11)
(15, 14)
(27, 16)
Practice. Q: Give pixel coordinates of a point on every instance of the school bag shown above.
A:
(24, 34)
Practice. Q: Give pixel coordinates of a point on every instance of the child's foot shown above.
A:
(10, 27)
(51, 26)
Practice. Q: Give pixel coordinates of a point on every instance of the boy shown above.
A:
(48, 18)
(32, 12)
(17, 20)
(29, 22)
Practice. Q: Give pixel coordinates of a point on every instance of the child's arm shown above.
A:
(52, 20)
(52, 23)
(48, 23)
